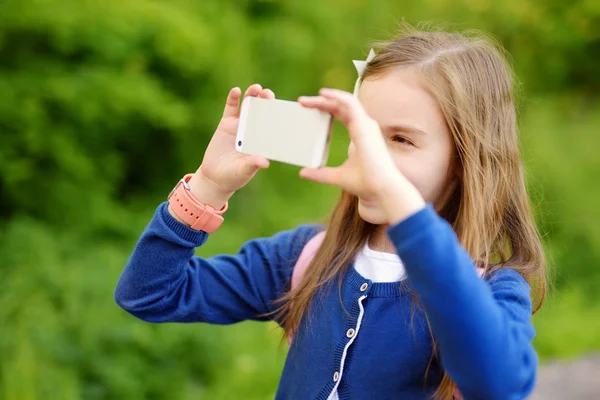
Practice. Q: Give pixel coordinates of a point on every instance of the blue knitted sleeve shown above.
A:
(483, 327)
(164, 282)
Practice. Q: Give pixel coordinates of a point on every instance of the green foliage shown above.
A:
(561, 137)
(62, 336)
(104, 105)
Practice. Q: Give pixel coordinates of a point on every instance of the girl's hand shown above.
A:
(369, 172)
(223, 169)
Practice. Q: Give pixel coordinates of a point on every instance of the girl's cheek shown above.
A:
(416, 173)
(406, 164)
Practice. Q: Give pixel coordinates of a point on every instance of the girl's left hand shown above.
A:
(369, 172)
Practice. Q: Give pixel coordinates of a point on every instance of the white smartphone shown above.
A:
(284, 131)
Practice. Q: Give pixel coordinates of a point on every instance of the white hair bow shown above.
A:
(360, 68)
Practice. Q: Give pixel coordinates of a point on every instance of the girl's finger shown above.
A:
(253, 90)
(252, 164)
(353, 116)
(342, 95)
(325, 175)
(331, 106)
(232, 103)
(349, 103)
(260, 162)
(267, 94)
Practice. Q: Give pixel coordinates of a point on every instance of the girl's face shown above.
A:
(416, 135)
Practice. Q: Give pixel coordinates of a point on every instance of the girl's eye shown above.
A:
(402, 139)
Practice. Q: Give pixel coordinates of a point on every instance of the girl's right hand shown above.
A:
(224, 170)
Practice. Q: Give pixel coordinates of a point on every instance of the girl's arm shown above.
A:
(164, 282)
(483, 328)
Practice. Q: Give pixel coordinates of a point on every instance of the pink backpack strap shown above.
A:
(306, 256)
(308, 252)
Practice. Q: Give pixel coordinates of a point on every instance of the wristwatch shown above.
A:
(198, 216)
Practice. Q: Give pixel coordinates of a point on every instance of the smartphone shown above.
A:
(284, 131)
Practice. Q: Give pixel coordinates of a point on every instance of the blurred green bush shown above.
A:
(104, 105)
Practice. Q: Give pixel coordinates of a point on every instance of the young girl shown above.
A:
(392, 305)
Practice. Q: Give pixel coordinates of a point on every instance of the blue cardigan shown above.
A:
(483, 327)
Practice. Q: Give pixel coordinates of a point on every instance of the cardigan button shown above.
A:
(350, 333)
(336, 376)
(364, 287)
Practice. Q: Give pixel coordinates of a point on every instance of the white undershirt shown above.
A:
(378, 267)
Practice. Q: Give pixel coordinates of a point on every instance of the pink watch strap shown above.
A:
(196, 215)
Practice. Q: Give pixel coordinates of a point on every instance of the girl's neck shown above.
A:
(380, 241)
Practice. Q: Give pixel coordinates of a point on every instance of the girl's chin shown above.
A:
(368, 203)
(370, 212)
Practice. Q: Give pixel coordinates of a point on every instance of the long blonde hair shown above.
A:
(470, 78)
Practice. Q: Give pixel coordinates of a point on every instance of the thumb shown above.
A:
(253, 164)
(325, 175)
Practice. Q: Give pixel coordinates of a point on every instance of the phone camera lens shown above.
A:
(239, 143)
